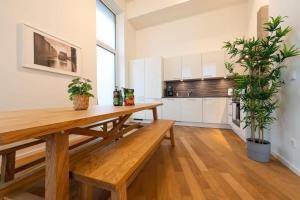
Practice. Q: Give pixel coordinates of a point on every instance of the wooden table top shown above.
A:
(20, 125)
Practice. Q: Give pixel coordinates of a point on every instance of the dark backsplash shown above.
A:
(202, 88)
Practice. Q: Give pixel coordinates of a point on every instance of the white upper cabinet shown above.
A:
(172, 68)
(215, 110)
(137, 77)
(213, 64)
(191, 109)
(153, 77)
(192, 66)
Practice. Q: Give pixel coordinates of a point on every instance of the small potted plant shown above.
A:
(79, 92)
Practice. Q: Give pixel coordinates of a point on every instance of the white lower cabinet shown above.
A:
(215, 110)
(206, 110)
(171, 109)
(191, 110)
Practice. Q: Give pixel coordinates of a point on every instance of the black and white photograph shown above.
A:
(54, 54)
(48, 53)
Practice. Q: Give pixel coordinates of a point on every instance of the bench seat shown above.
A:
(111, 167)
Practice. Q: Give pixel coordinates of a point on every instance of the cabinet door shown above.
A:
(171, 109)
(191, 110)
(153, 78)
(191, 66)
(215, 110)
(172, 68)
(149, 113)
(213, 64)
(137, 77)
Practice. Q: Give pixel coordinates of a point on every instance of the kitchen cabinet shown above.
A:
(137, 77)
(213, 64)
(215, 110)
(172, 68)
(171, 109)
(192, 67)
(191, 109)
(149, 113)
(153, 78)
(145, 77)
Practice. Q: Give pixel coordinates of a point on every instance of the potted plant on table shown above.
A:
(262, 60)
(79, 92)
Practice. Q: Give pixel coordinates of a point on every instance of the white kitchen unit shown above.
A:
(171, 109)
(191, 109)
(172, 68)
(192, 66)
(145, 77)
(215, 110)
(213, 64)
(153, 78)
(137, 77)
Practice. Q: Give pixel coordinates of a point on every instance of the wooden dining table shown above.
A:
(54, 125)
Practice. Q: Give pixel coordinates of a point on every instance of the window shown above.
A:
(106, 51)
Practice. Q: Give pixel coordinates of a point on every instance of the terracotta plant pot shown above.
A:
(81, 102)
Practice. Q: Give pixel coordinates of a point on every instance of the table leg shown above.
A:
(154, 111)
(57, 166)
(8, 167)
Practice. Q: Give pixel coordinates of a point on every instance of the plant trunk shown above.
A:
(252, 127)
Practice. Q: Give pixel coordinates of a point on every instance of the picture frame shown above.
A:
(43, 51)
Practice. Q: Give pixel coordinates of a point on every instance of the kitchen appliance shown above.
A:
(170, 91)
(236, 112)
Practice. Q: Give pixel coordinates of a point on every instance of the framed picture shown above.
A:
(46, 52)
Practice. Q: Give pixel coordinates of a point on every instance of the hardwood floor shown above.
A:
(211, 164)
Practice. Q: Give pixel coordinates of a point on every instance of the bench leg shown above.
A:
(172, 137)
(8, 167)
(120, 194)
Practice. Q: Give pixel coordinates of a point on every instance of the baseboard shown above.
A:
(193, 124)
(286, 163)
(203, 125)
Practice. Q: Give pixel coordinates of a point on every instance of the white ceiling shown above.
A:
(141, 16)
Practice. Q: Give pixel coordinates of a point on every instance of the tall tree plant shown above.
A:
(262, 60)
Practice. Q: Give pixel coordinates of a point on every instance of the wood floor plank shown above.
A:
(191, 180)
(237, 187)
(201, 166)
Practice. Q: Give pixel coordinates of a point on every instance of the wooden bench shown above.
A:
(33, 166)
(114, 167)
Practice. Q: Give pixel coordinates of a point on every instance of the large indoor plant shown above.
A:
(79, 92)
(262, 60)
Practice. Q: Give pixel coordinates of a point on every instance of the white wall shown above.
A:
(287, 127)
(253, 8)
(71, 20)
(199, 33)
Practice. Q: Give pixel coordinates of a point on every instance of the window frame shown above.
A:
(107, 47)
